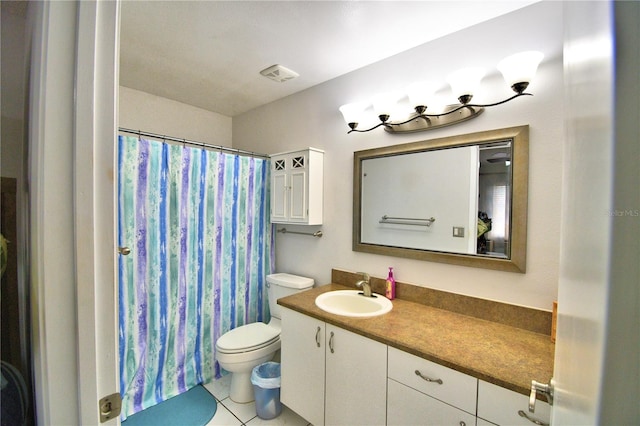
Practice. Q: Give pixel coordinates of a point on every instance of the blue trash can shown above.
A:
(266, 387)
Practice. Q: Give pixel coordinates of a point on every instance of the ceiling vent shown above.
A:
(279, 73)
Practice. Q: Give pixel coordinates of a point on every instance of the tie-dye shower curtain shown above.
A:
(197, 223)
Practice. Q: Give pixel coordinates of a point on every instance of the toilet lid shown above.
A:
(248, 337)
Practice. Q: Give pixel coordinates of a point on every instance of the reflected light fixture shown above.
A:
(518, 71)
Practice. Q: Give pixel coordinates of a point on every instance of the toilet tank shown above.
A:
(281, 285)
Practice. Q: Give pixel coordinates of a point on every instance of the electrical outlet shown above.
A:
(458, 231)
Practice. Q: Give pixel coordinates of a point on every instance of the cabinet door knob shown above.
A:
(124, 250)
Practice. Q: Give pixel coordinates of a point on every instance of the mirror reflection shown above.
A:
(494, 200)
(449, 199)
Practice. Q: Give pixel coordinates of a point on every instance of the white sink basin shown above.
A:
(351, 303)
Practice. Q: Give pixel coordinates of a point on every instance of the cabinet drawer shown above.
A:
(500, 406)
(407, 406)
(457, 389)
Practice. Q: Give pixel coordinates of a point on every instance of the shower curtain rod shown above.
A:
(194, 143)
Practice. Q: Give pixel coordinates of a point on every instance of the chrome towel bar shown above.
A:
(407, 220)
(317, 234)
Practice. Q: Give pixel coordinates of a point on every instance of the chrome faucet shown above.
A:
(366, 286)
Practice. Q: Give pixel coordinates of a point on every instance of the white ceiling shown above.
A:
(209, 53)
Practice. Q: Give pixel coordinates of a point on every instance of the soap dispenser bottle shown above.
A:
(390, 291)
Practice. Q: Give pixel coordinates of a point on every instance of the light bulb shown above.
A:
(353, 112)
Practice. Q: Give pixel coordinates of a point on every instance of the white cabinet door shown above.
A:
(505, 407)
(407, 406)
(298, 195)
(279, 199)
(356, 379)
(303, 365)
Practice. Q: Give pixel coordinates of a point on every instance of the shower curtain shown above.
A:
(197, 223)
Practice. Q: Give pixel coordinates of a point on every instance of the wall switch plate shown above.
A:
(458, 231)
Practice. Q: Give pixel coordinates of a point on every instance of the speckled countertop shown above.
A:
(501, 354)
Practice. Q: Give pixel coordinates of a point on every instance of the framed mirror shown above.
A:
(460, 200)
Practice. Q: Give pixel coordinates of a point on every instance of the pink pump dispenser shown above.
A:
(390, 291)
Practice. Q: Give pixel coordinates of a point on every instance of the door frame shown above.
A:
(72, 128)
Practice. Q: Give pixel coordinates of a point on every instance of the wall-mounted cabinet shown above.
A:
(297, 187)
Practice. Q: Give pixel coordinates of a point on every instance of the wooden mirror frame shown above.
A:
(519, 136)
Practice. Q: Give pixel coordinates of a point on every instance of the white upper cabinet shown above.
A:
(297, 187)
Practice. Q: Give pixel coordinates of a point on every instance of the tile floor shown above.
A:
(231, 413)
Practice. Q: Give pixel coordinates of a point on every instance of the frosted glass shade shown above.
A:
(466, 81)
(385, 103)
(352, 113)
(421, 93)
(520, 68)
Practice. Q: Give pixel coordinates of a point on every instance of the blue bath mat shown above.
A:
(195, 407)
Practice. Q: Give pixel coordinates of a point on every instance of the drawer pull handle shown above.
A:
(428, 379)
(331, 342)
(532, 419)
(318, 337)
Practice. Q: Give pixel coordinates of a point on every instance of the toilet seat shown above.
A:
(247, 338)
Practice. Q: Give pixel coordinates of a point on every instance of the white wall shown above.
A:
(311, 118)
(149, 113)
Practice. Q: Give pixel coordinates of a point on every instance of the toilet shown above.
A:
(239, 350)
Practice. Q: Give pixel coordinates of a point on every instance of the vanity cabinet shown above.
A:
(331, 375)
(426, 393)
(336, 377)
(297, 187)
(501, 406)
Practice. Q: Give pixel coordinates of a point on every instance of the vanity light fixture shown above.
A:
(518, 71)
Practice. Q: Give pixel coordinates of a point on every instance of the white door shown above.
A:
(596, 369)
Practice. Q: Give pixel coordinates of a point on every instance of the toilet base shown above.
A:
(241, 390)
